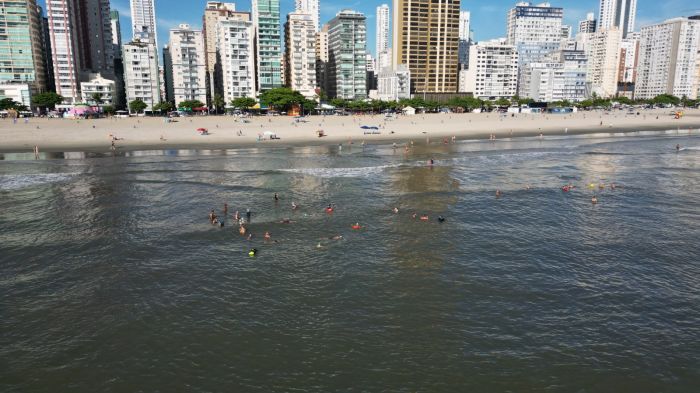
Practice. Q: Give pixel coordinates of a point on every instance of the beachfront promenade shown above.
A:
(147, 133)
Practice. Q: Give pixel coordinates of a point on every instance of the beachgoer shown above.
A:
(498, 193)
(414, 215)
(336, 237)
(252, 252)
(267, 236)
(294, 206)
(241, 229)
(678, 147)
(441, 219)
(277, 198)
(237, 216)
(247, 215)
(285, 221)
(356, 226)
(212, 216)
(594, 200)
(395, 210)
(225, 209)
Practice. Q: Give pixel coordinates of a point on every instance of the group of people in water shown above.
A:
(242, 223)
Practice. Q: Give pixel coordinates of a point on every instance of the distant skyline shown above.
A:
(485, 18)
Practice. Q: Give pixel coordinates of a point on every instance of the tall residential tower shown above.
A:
(266, 19)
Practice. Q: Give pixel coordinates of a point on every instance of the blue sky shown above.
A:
(488, 18)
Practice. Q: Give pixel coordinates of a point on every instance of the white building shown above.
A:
(187, 53)
(347, 49)
(143, 20)
(18, 92)
(617, 13)
(96, 84)
(535, 31)
(464, 37)
(236, 44)
(493, 70)
(562, 76)
(629, 51)
(300, 53)
(668, 59)
(603, 52)
(394, 85)
(214, 11)
(588, 25)
(382, 28)
(312, 8)
(141, 72)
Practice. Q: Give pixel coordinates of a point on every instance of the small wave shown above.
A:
(19, 181)
(340, 172)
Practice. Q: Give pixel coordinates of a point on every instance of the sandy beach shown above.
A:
(149, 133)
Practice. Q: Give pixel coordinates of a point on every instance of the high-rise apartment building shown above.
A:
(493, 70)
(169, 87)
(603, 52)
(266, 19)
(312, 8)
(143, 20)
(629, 56)
(236, 44)
(426, 38)
(347, 49)
(300, 53)
(119, 99)
(188, 64)
(21, 50)
(464, 37)
(588, 25)
(394, 85)
(322, 58)
(141, 72)
(617, 13)
(214, 11)
(382, 33)
(535, 31)
(81, 40)
(668, 59)
(559, 76)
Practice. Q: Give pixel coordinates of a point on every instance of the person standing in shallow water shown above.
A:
(248, 214)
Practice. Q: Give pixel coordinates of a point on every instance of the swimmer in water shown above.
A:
(431, 162)
(395, 210)
(594, 200)
(250, 237)
(414, 215)
(225, 209)
(498, 193)
(242, 230)
(441, 219)
(294, 206)
(336, 237)
(267, 236)
(678, 147)
(277, 198)
(286, 221)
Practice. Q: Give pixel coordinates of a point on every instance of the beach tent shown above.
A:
(409, 110)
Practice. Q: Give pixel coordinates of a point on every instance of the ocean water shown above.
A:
(112, 279)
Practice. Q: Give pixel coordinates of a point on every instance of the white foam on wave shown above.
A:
(19, 181)
(341, 172)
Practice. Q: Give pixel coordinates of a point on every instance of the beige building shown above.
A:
(214, 11)
(188, 64)
(300, 53)
(426, 38)
(603, 52)
(322, 57)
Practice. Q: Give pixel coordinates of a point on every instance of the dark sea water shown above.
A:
(112, 280)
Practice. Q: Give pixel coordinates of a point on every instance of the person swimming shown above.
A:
(276, 197)
(252, 252)
(498, 193)
(356, 226)
(336, 237)
(678, 147)
(242, 230)
(414, 215)
(212, 216)
(395, 210)
(267, 236)
(594, 200)
(441, 219)
(247, 215)
(294, 206)
(329, 208)
(424, 217)
(286, 221)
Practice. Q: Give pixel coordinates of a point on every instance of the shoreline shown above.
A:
(144, 133)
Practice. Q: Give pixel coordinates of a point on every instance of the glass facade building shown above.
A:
(21, 50)
(266, 18)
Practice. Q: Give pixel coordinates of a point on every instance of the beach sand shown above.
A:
(153, 133)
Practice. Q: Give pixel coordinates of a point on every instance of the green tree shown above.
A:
(108, 110)
(281, 98)
(96, 98)
(47, 100)
(339, 103)
(308, 105)
(163, 106)
(8, 103)
(137, 106)
(218, 102)
(502, 102)
(666, 99)
(191, 104)
(242, 103)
